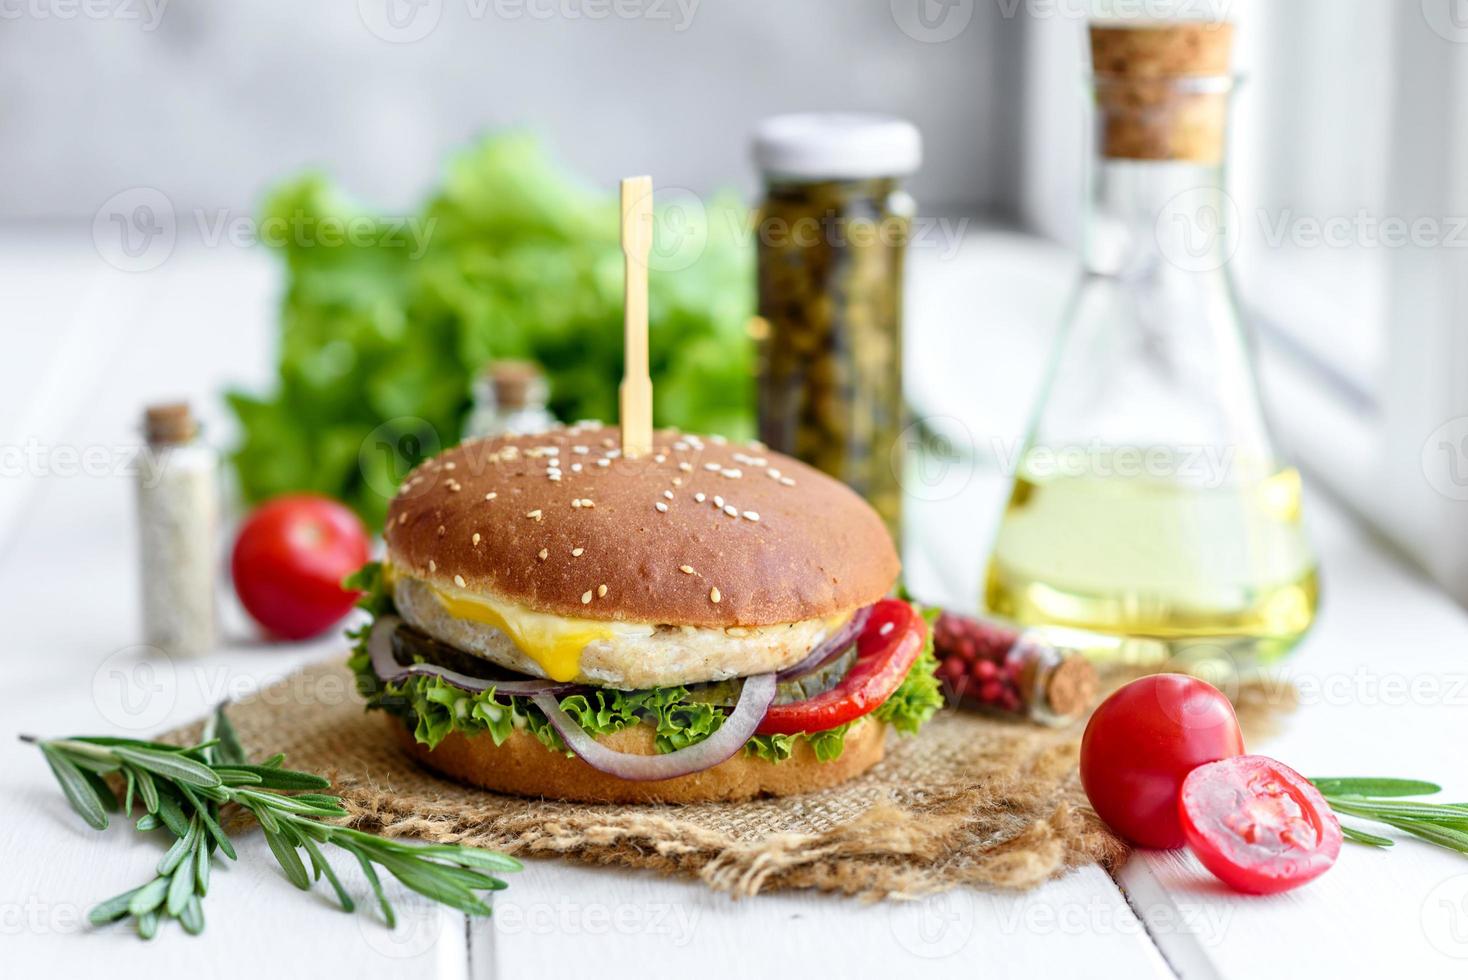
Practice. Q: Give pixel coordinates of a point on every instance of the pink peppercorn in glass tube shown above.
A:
(996, 667)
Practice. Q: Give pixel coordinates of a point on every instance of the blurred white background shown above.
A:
(212, 101)
(1352, 116)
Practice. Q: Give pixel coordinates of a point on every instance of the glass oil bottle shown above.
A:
(1149, 501)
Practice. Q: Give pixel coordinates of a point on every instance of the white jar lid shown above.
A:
(837, 146)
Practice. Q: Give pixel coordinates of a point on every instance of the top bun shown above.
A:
(545, 520)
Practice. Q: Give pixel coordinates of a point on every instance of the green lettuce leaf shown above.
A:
(383, 331)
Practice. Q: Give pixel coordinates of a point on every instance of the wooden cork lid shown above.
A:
(1162, 88)
(169, 424)
(512, 382)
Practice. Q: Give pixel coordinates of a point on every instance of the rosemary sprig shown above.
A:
(181, 790)
(1381, 801)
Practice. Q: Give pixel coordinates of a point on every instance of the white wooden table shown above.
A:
(82, 346)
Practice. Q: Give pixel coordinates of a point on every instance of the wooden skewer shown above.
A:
(636, 390)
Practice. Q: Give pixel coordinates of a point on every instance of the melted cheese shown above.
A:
(553, 642)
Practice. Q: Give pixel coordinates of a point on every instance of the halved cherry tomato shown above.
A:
(1257, 824)
(885, 651)
(1140, 745)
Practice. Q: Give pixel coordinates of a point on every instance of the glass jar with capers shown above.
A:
(832, 233)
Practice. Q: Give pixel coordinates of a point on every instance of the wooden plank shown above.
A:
(67, 592)
(1384, 687)
(632, 923)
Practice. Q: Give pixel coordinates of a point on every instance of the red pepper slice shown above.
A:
(885, 652)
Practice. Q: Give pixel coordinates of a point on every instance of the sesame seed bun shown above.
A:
(524, 767)
(699, 532)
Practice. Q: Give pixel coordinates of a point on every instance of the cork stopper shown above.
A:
(512, 382)
(1162, 89)
(1072, 687)
(169, 424)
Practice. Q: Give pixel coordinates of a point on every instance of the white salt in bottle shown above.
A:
(178, 520)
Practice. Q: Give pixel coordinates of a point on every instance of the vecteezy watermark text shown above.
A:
(675, 921)
(406, 21)
(135, 230)
(147, 13)
(1363, 230)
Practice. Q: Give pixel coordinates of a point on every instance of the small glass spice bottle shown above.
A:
(509, 399)
(990, 665)
(178, 523)
(832, 235)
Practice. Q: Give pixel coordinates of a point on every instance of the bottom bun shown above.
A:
(525, 767)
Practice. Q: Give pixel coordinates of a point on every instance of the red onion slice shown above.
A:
(830, 648)
(388, 670)
(754, 700)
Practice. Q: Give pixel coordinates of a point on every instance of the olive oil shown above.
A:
(1208, 570)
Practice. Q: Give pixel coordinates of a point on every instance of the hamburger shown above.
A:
(708, 621)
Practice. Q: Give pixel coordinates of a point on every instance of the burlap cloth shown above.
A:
(971, 800)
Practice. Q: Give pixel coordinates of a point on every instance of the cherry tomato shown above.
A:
(892, 640)
(289, 561)
(1140, 745)
(1257, 824)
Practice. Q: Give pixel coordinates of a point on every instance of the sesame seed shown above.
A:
(785, 481)
(534, 515)
(587, 502)
(586, 597)
(732, 474)
(402, 518)
(613, 453)
(459, 581)
(686, 569)
(575, 467)
(750, 515)
(555, 477)
(774, 473)
(603, 462)
(448, 465)
(668, 494)
(490, 496)
(580, 450)
(544, 554)
(714, 596)
(601, 590)
(731, 510)
(454, 487)
(662, 507)
(686, 467)
(475, 538)
(577, 552)
(700, 497)
(440, 530)
(432, 565)
(718, 501)
(677, 481)
(660, 458)
(711, 467)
